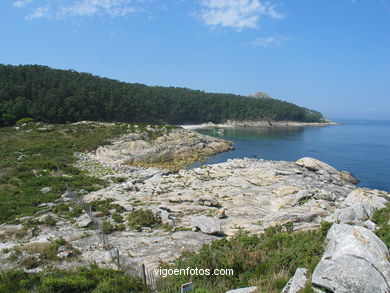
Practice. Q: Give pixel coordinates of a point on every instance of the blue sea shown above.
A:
(361, 147)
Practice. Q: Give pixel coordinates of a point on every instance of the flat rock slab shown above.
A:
(355, 260)
(207, 225)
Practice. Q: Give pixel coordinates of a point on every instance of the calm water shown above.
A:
(359, 146)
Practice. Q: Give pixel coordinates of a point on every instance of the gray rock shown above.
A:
(64, 254)
(297, 282)
(346, 176)
(359, 206)
(316, 165)
(355, 260)
(84, 221)
(206, 224)
(207, 200)
(220, 213)
(243, 290)
(46, 189)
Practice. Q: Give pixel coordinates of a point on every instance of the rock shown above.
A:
(297, 282)
(42, 205)
(244, 290)
(355, 214)
(46, 189)
(64, 254)
(369, 225)
(359, 206)
(346, 176)
(84, 221)
(220, 213)
(316, 165)
(355, 260)
(208, 200)
(206, 224)
(285, 190)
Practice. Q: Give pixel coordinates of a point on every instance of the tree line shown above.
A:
(60, 96)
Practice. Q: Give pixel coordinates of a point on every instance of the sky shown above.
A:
(329, 55)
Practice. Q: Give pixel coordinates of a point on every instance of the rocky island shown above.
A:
(153, 209)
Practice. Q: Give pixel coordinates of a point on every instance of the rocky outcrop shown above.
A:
(359, 206)
(355, 260)
(198, 205)
(176, 147)
(318, 166)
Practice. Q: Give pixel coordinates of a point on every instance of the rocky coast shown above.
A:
(192, 207)
(258, 124)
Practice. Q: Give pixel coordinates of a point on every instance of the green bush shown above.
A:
(24, 120)
(117, 218)
(382, 219)
(83, 280)
(267, 260)
(143, 218)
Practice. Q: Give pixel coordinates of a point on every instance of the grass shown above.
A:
(267, 260)
(31, 159)
(382, 219)
(33, 255)
(83, 280)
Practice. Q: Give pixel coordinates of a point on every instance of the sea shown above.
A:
(361, 147)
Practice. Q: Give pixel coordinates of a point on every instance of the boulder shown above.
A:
(206, 224)
(355, 260)
(297, 282)
(359, 206)
(316, 165)
(346, 176)
(45, 189)
(208, 200)
(220, 213)
(84, 221)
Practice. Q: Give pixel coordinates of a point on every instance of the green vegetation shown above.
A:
(37, 254)
(69, 210)
(38, 156)
(82, 280)
(382, 219)
(143, 218)
(109, 228)
(104, 206)
(58, 96)
(267, 260)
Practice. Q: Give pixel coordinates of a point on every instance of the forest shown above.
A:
(61, 96)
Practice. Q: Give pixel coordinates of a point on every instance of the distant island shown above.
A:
(60, 96)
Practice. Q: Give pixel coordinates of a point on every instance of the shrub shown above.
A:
(382, 219)
(267, 260)
(84, 279)
(117, 218)
(143, 218)
(24, 120)
(50, 221)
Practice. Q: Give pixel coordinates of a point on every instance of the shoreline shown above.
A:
(262, 124)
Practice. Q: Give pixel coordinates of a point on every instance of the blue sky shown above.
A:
(328, 55)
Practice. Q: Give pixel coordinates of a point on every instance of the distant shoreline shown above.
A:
(231, 124)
